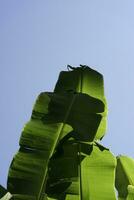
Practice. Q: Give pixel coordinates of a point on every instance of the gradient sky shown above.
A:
(38, 38)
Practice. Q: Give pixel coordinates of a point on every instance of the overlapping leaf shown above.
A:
(54, 116)
(75, 112)
(81, 171)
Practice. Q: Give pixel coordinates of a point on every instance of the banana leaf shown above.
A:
(78, 115)
(53, 117)
(125, 177)
(81, 171)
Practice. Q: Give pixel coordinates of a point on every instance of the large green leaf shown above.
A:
(54, 116)
(81, 171)
(28, 170)
(79, 115)
(124, 176)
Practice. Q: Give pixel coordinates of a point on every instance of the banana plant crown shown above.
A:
(59, 156)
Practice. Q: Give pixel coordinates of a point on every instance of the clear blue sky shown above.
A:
(38, 38)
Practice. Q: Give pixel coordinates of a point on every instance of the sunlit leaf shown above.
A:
(124, 175)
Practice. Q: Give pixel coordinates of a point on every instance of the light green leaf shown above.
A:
(98, 175)
(124, 175)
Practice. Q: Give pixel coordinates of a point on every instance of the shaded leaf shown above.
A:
(84, 117)
(84, 80)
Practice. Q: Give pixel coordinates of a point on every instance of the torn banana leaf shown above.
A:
(54, 116)
(76, 110)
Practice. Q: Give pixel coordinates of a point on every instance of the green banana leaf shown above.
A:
(125, 177)
(81, 171)
(78, 115)
(28, 171)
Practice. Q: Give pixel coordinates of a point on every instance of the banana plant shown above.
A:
(60, 157)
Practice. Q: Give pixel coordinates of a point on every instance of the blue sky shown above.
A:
(39, 38)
